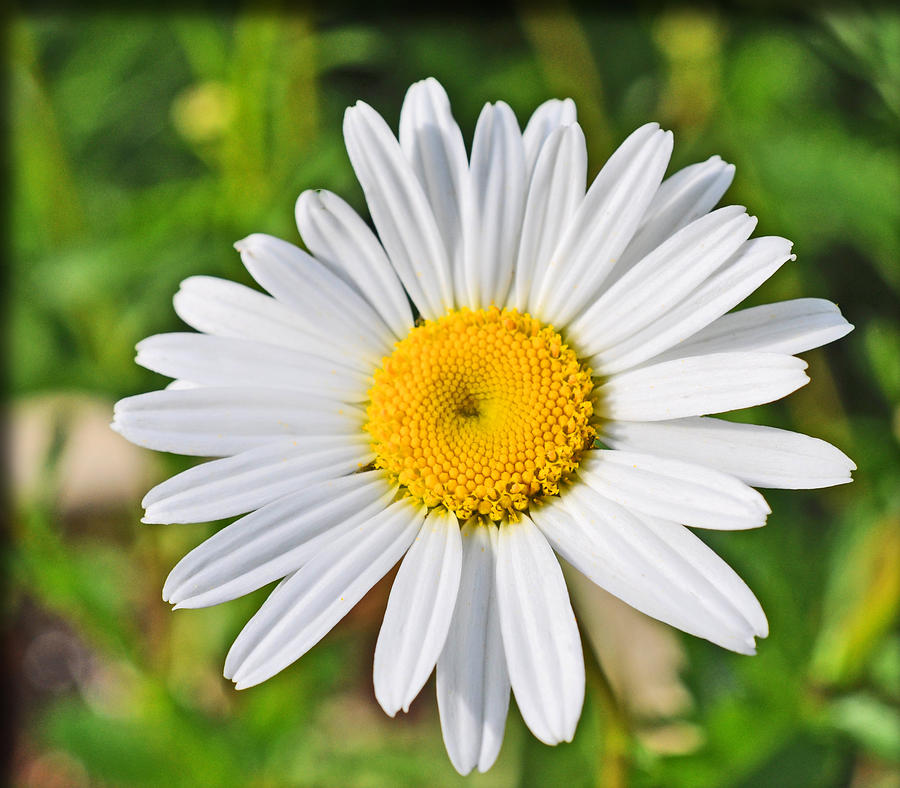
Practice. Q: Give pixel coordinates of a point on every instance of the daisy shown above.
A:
(515, 366)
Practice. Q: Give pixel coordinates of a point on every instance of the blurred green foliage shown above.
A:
(143, 146)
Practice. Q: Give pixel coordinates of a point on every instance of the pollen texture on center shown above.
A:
(482, 412)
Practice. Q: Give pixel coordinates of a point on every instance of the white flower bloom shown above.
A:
(547, 390)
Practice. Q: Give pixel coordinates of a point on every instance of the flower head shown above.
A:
(515, 365)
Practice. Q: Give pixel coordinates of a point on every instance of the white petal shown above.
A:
(472, 682)
(338, 237)
(219, 422)
(662, 570)
(681, 198)
(682, 491)
(224, 361)
(275, 540)
(788, 327)
(492, 221)
(714, 570)
(234, 485)
(418, 612)
(540, 637)
(662, 279)
(755, 262)
(548, 117)
(604, 224)
(431, 140)
(555, 191)
(400, 211)
(329, 306)
(761, 456)
(228, 309)
(700, 385)
(304, 608)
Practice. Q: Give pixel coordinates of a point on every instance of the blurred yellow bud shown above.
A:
(203, 112)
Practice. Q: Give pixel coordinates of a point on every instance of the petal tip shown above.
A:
(387, 706)
(244, 678)
(243, 245)
(463, 769)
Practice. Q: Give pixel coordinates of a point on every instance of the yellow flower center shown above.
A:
(481, 412)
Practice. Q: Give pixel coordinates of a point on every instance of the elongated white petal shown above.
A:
(234, 485)
(700, 385)
(594, 535)
(788, 327)
(228, 309)
(662, 279)
(304, 608)
(329, 306)
(681, 198)
(224, 361)
(540, 637)
(219, 422)
(661, 569)
(546, 119)
(275, 540)
(418, 612)
(604, 224)
(431, 140)
(555, 191)
(761, 456)
(755, 262)
(682, 491)
(338, 237)
(472, 682)
(492, 222)
(724, 580)
(400, 210)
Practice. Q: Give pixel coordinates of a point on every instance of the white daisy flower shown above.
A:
(514, 366)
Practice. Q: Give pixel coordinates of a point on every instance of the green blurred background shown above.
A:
(143, 146)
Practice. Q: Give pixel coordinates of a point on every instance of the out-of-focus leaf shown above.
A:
(871, 722)
(862, 600)
(41, 163)
(801, 760)
(154, 747)
(204, 42)
(350, 45)
(882, 343)
(885, 668)
(869, 41)
(568, 65)
(578, 764)
(691, 41)
(295, 99)
(796, 153)
(245, 148)
(91, 586)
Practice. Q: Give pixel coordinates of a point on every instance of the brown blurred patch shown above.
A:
(61, 446)
(64, 462)
(642, 660)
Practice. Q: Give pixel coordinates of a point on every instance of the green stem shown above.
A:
(612, 760)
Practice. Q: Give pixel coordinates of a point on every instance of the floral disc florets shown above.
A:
(482, 412)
